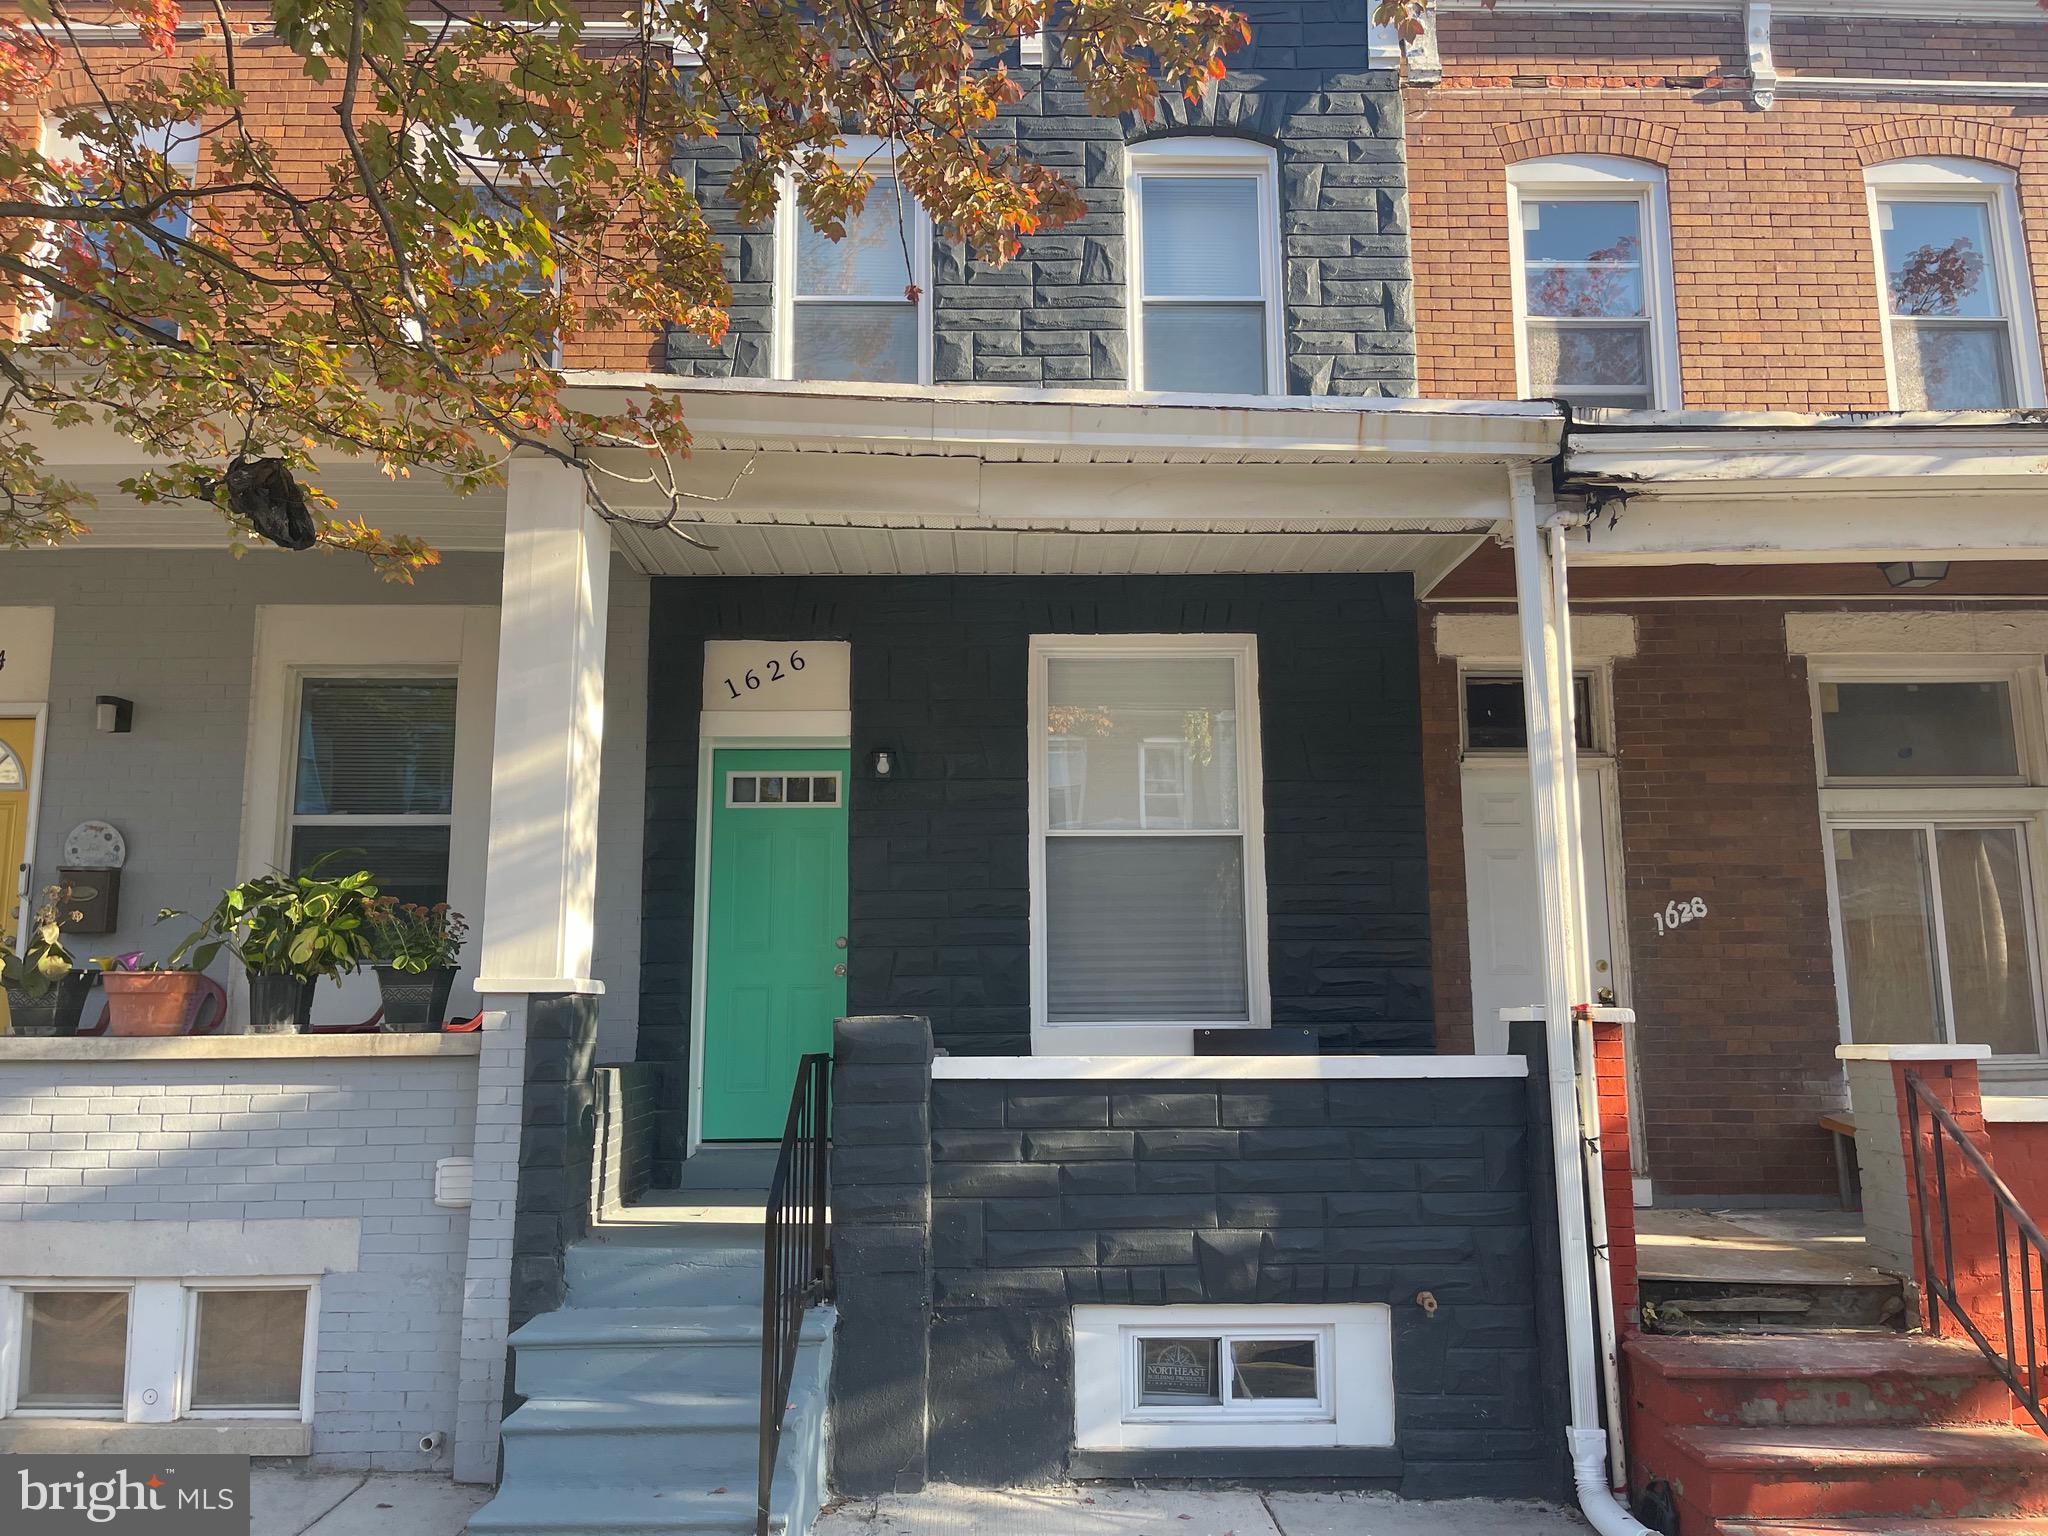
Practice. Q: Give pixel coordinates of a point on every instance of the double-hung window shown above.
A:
(1147, 873)
(1592, 264)
(1204, 216)
(1929, 789)
(374, 781)
(856, 308)
(1950, 269)
(178, 144)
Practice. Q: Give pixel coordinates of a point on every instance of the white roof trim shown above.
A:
(966, 421)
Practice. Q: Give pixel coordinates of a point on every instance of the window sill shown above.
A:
(186, 1437)
(15, 1048)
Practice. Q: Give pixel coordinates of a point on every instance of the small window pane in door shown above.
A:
(1496, 714)
(1888, 948)
(74, 1350)
(1918, 730)
(1273, 1370)
(1178, 1373)
(1990, 949)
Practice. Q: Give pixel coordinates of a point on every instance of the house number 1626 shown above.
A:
(1677, 914)
(752, 678)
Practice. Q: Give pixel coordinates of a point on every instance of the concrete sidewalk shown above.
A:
(1105, 1511)
(284, 1501)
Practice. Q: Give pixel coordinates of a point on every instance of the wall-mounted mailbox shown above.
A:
(95, 895)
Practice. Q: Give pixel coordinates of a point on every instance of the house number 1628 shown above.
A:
(752, 679)
(1677, 914)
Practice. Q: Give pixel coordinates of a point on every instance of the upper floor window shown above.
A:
(1205, 224)
(859, 307)
(1593, 312)
(1950, 261)
(171, 226)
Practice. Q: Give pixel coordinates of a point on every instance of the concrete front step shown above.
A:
(1689, 1307)
(1815, 1379)
(648, 1438)
(1796, 1473)
(700, 1274)
(604, 1508)
(582, 1351)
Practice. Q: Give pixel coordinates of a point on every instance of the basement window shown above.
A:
(1224, 1377)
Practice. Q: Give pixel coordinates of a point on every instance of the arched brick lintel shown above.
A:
(1950, 137)
(1539, 138)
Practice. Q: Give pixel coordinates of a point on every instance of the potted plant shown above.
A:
(288, 932)
(156, 1000)
(416, 949)
(46, 989)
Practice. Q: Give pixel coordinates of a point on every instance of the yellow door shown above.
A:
(17, 768)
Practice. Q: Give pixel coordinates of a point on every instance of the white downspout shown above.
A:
(1546, 701)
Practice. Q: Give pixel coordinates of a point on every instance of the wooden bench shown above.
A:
(1840, 1125)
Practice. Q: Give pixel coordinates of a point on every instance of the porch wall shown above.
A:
(938, 865)
(175, 632)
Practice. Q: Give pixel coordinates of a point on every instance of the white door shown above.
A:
(1501, 894)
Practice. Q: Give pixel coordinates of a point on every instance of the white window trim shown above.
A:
(1944, 179)
(1355, 1378)
(162, 1337)
(1205, 156)
(1850, 803)
(1607, 177)
(1165, 1037)
(294, 642)
(782, 336)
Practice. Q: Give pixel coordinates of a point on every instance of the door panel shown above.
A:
(1502, 895)
(773, 965)
(17, 775)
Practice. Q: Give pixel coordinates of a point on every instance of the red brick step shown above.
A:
(1881, 1525)
(1794, 1473)
(1834, 1380)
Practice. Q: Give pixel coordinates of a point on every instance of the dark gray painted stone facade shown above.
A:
(938, 866)
(557, 1148)
(1046, 1194)
(1056, 315)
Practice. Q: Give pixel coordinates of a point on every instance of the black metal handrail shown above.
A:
(796, 1252)
(2019, 1364)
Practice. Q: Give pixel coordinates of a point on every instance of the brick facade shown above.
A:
(1774, 272)
(1056, 315)
(217, 1160)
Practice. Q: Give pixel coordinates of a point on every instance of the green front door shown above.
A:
(775, 951)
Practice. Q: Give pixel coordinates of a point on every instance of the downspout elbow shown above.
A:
(1602, 1509)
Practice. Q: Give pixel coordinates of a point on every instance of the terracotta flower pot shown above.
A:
(163, 1003)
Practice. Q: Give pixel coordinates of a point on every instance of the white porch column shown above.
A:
(1543, 606)
(540, 887)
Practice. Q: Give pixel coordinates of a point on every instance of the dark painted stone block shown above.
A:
(1147, 1247)
(977, 1147)
(879, 1386)
(1167, 1176)
(1140, 1211)
(1077, 1146)
(1278, 1104)
(880, 1125)
(969, 1179)
(1055, 1110)
(1032, 1250)
(1038, 1214)
(1280, 1175)
(867, 1040)
(1390, 1209)
(1162, 1109)
(861, 1250)
(1269, 1210)
(998, 1287)
(1229, 1264)
(967, 1105)
(957, 1227)
(1002, 1405)
(881, 1085)
(1313, 1142)
(1218, 1146)
(1101, 1178)
(854, 1164)
(879, 1202)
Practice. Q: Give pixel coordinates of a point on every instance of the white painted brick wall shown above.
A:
(253, 1141)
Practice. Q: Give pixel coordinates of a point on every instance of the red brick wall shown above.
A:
(286, 108)
(1775, 276)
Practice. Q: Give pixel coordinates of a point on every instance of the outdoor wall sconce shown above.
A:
(1915, 573)
(883, 763)
(115, 717)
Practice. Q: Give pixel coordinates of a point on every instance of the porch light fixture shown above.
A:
(1915, 573)
(115, 717)
(883, 763)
